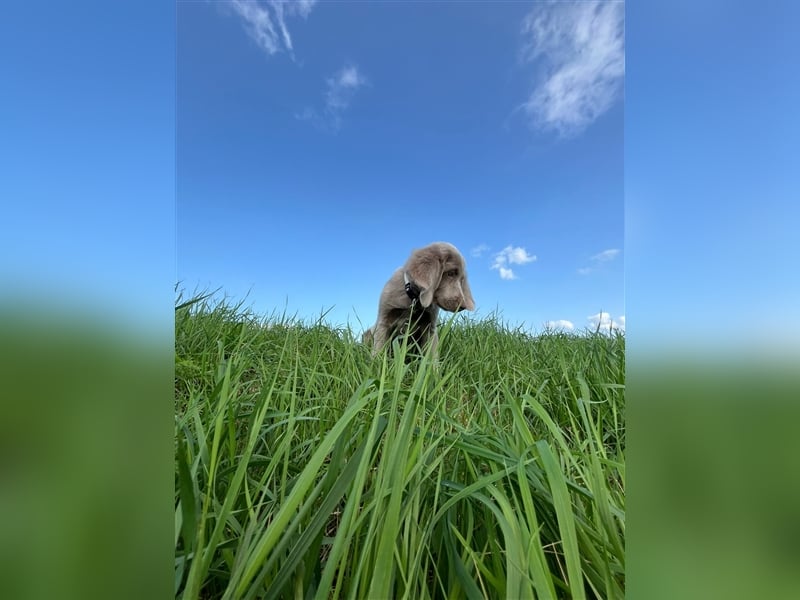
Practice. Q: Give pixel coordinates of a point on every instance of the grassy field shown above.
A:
(307, 469)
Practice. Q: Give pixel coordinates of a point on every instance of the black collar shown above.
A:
(412, 289)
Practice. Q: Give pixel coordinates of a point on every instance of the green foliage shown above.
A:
(305, 468)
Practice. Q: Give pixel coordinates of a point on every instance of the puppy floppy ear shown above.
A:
(425, 268)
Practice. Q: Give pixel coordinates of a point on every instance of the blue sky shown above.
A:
(318, 143)
(100, 211)
(87, 176)
(712, 176)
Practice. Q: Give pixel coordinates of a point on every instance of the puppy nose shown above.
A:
(463, 305)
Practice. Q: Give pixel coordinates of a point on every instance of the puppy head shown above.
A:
(439, 271)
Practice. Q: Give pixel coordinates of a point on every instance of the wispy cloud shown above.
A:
(559, 324)
(341, 87)
(580, 48)
(605, 323)
(514, 256)
(605, 255)
(479, 250)
(511, 256)
(598, 259)
(265, 22)
(506, 273)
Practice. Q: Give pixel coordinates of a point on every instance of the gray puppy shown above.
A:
(433, 277)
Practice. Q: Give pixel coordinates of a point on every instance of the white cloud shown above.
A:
(268, 27)
(478, 250)
(514, 256)
(341, 88)
(605, 255)
(598, 259)
(559, 324)
(518, 256)
(506, 273)
(605, 323)
(510, 255)
(581, 49)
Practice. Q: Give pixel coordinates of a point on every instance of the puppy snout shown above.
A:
(465, 304)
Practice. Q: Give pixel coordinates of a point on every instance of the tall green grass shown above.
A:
(307, 469)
